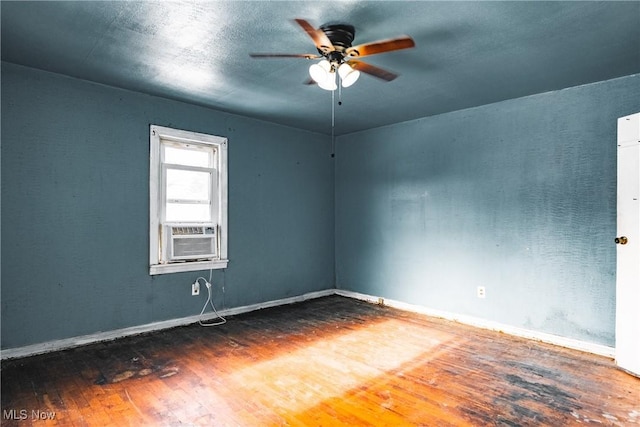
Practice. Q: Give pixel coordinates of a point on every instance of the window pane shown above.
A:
(188, 185)
(188, 212)
(188, 157)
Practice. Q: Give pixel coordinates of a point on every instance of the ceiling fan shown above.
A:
(339, 57)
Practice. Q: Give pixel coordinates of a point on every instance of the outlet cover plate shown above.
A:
(481, 292)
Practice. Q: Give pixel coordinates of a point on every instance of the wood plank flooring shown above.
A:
(327, 362)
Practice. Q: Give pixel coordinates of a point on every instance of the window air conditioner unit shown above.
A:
(190, 241)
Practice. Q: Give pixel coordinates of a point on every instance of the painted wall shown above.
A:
(518, 196)
(75, 182)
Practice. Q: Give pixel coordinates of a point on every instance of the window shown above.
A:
(188, 201)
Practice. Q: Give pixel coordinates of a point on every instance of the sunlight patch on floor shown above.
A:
(327, 368)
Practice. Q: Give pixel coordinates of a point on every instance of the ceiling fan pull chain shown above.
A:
(333, 123)
(333, 110)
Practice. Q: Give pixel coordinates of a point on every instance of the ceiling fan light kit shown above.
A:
(324, 73)
(329, 83)
(347, 74)
(338, 57)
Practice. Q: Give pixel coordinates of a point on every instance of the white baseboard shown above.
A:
(585, 346)
(31, 350)
(62, 344)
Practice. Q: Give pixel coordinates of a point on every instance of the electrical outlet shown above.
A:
(195, 288)
(481, 293)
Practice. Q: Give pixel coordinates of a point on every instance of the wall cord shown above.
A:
(209, 301)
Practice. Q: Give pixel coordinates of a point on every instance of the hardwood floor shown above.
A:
(327, 362)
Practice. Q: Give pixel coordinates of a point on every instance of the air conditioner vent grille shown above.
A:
(190, 231)
(184, 242)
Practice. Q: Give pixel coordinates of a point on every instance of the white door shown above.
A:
(628, 246)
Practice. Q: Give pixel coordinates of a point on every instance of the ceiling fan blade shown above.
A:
(285, 55)
(318, 36)
(372, 70)
(380, 46)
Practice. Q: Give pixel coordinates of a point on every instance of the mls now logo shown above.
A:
(23, 414)
(14, 414)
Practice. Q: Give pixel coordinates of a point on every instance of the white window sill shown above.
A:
(187, 266)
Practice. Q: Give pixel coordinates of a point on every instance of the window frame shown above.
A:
(159, 135)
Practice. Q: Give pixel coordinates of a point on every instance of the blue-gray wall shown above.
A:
(75, 208)
(518, 196)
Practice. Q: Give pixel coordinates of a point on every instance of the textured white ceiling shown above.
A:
(467, 53)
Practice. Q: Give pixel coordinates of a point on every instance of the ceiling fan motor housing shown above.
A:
(341, 36)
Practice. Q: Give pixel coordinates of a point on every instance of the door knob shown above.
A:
(621, 240)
